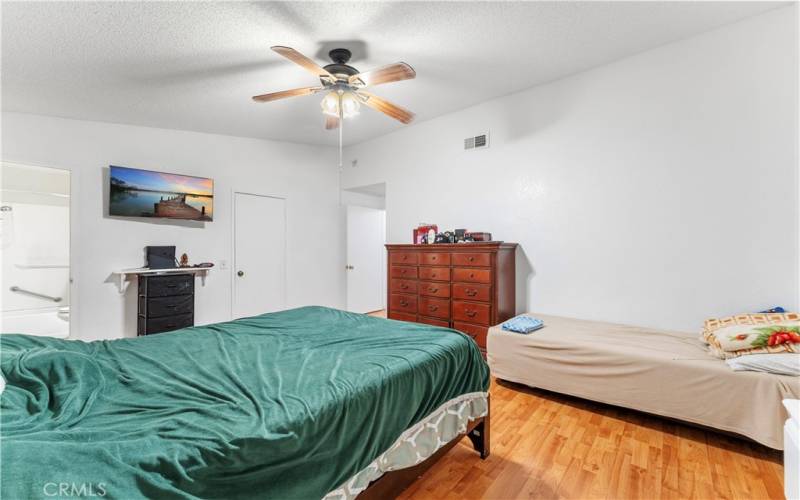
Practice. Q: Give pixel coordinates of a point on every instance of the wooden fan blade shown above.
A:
(384, 106)
(392, 73)
(331, 122)
(274, 96)
(298, 58)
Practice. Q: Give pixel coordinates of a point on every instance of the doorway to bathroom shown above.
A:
(34, 244)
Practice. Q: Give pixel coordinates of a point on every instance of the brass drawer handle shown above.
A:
(471, 275)
(403, 286)
(471, 292)
(433, 290)
(403, 303)
(433, 308)
(433, 275)
(471, 314)
(471, 259)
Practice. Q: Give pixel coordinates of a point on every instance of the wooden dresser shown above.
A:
(465, 286)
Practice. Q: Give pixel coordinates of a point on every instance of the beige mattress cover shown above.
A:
(661, 372)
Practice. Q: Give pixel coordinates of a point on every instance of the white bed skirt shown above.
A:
(418, 442)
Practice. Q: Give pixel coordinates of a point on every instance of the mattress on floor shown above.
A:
(661, 372)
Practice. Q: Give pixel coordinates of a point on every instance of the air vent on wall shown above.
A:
(477, 142)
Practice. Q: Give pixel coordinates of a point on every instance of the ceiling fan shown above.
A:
(344, 86)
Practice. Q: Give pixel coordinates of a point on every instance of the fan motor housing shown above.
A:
(339, 67)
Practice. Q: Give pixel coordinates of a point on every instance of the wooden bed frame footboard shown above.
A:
(391, 484)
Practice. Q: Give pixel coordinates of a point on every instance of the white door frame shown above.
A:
(232, 266)
(74, 194)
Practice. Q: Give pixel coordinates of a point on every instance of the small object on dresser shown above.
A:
(422, 230)
(431, 237)
(475, 236)
(460, 235)
(184, 262)
(160, 257)
(204, 264)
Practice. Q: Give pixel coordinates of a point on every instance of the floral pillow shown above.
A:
(753, 334)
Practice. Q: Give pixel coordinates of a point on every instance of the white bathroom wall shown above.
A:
(658, 190)
(305, 175)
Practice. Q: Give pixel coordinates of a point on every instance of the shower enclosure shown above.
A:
(34, 244)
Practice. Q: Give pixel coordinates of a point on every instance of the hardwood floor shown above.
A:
(546, 445)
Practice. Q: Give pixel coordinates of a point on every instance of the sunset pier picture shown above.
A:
(145, 193)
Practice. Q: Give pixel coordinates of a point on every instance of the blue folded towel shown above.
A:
(522, 324)
(776, 309)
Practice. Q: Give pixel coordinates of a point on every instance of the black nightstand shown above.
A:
(166, 303)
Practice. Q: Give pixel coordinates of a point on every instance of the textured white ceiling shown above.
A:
(194, 66)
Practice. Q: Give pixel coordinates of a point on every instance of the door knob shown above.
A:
(240, 274)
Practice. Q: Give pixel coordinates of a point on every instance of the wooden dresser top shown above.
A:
(475, 245)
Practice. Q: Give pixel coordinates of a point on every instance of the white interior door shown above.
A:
(259, 272)
(366, 262)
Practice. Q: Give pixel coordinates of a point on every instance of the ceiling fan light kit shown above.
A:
(340, 104)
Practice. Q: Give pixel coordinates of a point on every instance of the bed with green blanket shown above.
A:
(283, 405)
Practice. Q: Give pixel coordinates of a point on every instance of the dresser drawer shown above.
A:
(403, 303)
(167, 306)
(400, 316)
(434, 259)
(476, 332)
(163, 286)
(472, 275)
(472, 292)
(403, 272)
(169, 323)
(433, 322)
(404, 286)
(472, 259)
(403, 257)
(471, 312)
(434, 289)
(436, 308)
(434, 273)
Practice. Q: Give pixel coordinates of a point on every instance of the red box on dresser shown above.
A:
(465, 286)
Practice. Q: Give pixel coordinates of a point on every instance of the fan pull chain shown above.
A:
(341, 126)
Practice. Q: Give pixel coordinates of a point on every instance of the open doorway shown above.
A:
(34, 244)
(366, 255)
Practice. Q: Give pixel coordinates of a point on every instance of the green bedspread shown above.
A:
(283, 405)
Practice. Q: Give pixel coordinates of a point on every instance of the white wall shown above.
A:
(305, 175)
(659, 190)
